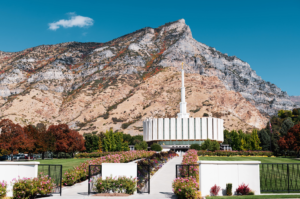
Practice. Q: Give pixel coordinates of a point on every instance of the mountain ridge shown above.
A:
(69, 72)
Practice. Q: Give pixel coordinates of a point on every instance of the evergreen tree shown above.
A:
(99, 144)
(264, 140)
(215, 146)
(236, 141)
(113, 141)
(141, 146)
(254, 141)
(207, 145)
(286, 125)
(119, 141)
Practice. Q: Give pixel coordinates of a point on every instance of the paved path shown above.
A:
(160, 186)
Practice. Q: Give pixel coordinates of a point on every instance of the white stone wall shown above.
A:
(11, 170)
(223, 172)
(183, 129)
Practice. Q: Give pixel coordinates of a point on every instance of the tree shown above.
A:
(254, 141)
(215, 146)
(13, 138)
(67, 140)
(38, 139)
(136, 139)
(76, 142)
(141, 146)
(107, 142)
(195, 146)
(119, 141)
(236, 141)
(156, 147)
(286, 125)
(206, 145)
(295, 131)
(264, 140)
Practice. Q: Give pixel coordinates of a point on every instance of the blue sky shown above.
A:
(266, 34)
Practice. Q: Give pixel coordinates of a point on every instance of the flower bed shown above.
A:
(236, 153)
(188, 187)
(3, 187)
(116, 185)
(31, 187)
(81, 172)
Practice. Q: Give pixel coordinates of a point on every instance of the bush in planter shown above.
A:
(214, 190)
(30, 187)
(229, 189)
(185, 188)
(156, 147)
(195, 146)
(3, 187)
(116, 185)
(243, 189)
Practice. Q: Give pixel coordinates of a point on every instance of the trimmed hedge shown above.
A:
(235, 153)
(96, 154)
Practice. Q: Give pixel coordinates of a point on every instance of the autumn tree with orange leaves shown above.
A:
(67, 140)
(13, 139)
(292, 140)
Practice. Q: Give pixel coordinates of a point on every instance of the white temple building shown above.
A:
(181, 132)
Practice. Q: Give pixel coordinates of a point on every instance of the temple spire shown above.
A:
(182, 113)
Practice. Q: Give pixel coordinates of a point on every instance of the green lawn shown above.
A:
(262, 159)
(66, 163)
(258, 196)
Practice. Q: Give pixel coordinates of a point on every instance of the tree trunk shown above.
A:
(43, 155)
(12, 157)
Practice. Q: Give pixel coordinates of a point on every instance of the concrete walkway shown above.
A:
(160, 185)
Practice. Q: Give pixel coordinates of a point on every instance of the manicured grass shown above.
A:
(262, 159)
(66, 163)
(253, 196)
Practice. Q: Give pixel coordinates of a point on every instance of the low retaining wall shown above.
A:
(223, 172)
(11, 170)
(119, 169)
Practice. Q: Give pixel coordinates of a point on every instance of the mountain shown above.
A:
(94, 86)
(295, 99)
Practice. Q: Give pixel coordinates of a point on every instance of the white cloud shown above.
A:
(75, 20)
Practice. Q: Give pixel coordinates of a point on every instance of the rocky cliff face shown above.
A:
(296, 100)
(64, 79)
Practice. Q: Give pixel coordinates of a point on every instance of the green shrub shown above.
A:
(195, 146)
(251, 192)
(119, 185)
(141, 146)
(3, 188)
(156, 147)
(229, 189)
(31, 187)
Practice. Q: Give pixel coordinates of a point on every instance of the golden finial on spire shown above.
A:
(182, 66)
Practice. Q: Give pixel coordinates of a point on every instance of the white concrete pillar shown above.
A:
(154, 129)
(204, 128)
(173, 129)
(150, 135)
(160, 128)
(209, 127)
(179, 129)
(191, 128)
(166, 129)
(185, 129)
(198, 128)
